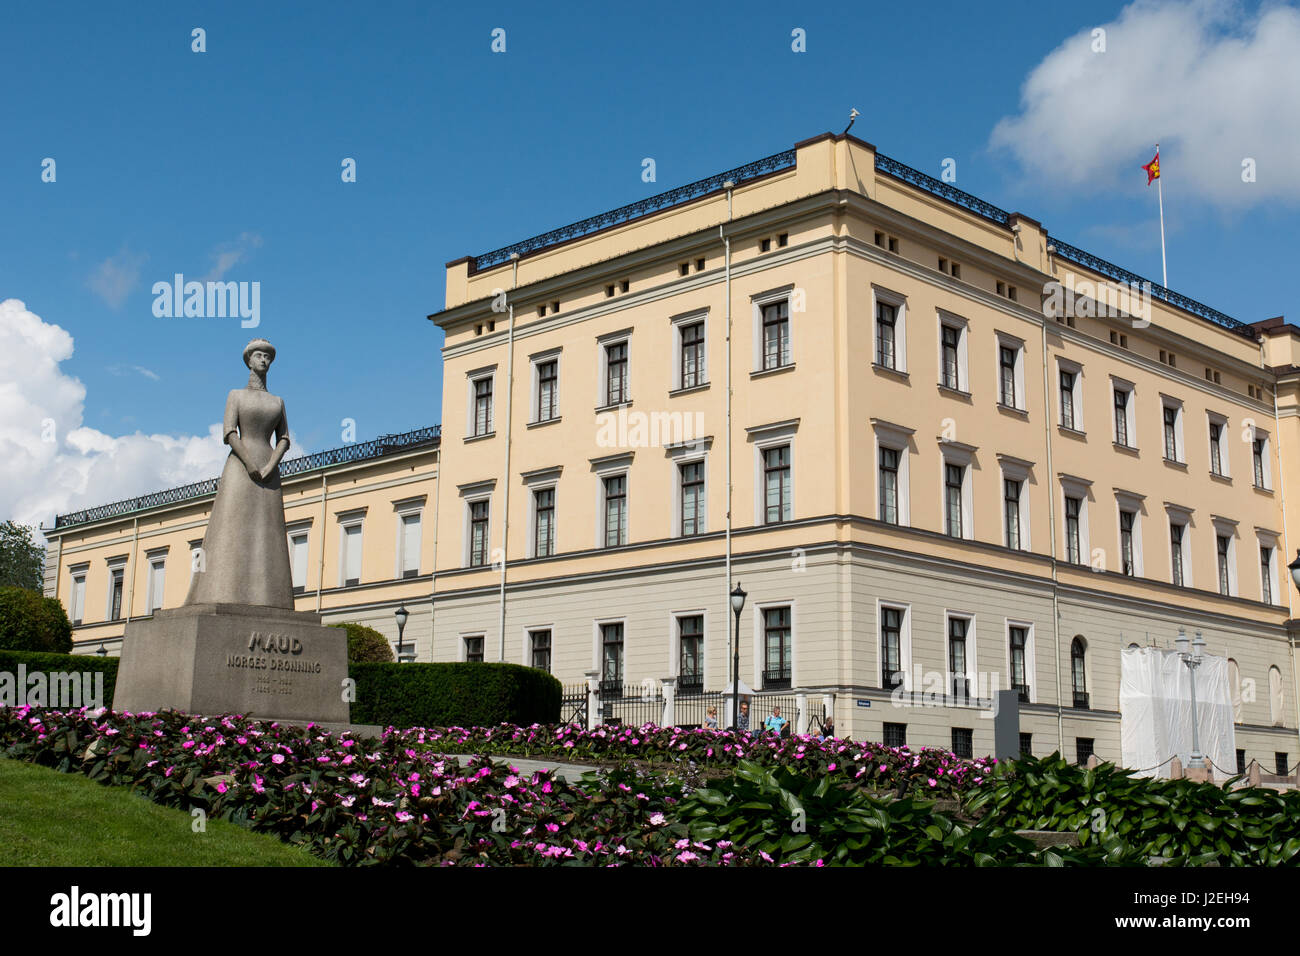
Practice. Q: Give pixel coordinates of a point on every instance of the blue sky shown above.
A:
(228, 162)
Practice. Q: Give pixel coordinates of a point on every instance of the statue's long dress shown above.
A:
(245, 550)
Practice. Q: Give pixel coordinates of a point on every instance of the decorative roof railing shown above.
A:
(643, 207)
(1112, 271)
(965, 200)
(361, 451)
(936, 187)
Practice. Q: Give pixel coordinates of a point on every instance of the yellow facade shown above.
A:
(573, 387)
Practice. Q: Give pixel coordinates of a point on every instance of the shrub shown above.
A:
(453, 694)
(62, 664)
(366, 645)
(32, 622)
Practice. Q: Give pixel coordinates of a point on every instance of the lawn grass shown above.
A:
(49, 818)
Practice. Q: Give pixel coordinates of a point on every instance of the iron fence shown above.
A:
(573, 704)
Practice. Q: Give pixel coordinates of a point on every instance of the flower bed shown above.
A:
(926, 771)
(400, 801)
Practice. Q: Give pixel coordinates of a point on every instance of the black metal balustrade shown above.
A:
(361, 451)
(644, 207)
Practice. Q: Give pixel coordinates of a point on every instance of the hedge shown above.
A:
(401, 695)
(62, 664)
(29, 621)
(453, 694)
(365, 644)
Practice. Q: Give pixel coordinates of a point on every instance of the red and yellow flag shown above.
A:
(1153, 168)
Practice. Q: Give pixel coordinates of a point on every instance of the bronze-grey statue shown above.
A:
(245, 557)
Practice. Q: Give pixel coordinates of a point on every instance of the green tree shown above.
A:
(366, 645)
(22, 560)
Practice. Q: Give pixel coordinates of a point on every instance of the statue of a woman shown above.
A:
(245, 557)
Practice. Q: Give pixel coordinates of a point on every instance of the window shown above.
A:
(892, 506)
(777, 498)
(1078, 672)
(77, 601)
(548, 390)
(611, 656)
(478, 533)
(886, 335)
(692, 355)
(1125, 426)
(958, 660)
(474, 649)
(776, 334)
(408, 543)
(1127, 521)
(891, 647)
(1226, 557)
(540, 647)
(1011, 491)
(1218, 460)
(616, 392)
(692, 497)
(690, 636)
(298, 546)
(615, 511)
(951, 367)
(1019, 641)
(543, 522)
(1178, 541)
(115, 577)
(963, 742)
(1026, 745)
(1280, 766)
(895, 735)
(953, 485)
(1073, 542)
(888, 484)
(482, 410)
(157, 576)
(350, 558)
(777, 649)
(1011, 372)
(1267, 571)
(1260, 460)
(1173, 430)
(1084, 748)
(1068, 419)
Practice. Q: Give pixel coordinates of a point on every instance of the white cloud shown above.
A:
(115, 278)
(1213, 83)
(123, 370)
(229, 254)
(50, 461)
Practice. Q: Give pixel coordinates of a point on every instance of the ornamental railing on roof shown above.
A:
(992, 213)
(643, 207)
(361, 451)
(941, 189)
(1112, 271)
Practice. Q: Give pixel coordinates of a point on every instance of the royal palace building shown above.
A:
(943, 452)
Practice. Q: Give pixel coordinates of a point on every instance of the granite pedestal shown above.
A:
(263, 662)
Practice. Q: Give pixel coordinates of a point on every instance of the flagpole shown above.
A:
(1160, 191)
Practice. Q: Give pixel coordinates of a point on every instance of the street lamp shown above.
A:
(1193, 661)
(737, 605)
(103, 651)
(401, 614)
(1294, 568)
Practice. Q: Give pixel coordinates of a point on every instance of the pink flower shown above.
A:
(221, 787)
(277, 758)
(686, 857)
(657, 819)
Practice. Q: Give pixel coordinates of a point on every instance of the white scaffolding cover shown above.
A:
(1155, 707)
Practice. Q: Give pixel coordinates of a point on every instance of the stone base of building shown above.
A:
(262, 662)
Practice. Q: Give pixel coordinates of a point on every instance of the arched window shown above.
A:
(1234, 689)
(1275, 700)
(1078, 671)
